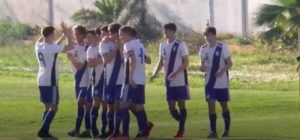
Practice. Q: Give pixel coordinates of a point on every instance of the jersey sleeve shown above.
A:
(184, 51)
(225, 52)
(129, 50)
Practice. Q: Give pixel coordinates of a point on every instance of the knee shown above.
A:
(54, 108)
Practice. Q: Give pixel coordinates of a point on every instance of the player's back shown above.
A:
(136, 48)
(47, 58)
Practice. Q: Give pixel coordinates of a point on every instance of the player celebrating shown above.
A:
(77, 58)
(133, 90)
(96, 67)
(174, 59)
(215, 62)
(46, 53)
(111, 49)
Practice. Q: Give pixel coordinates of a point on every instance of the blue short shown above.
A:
(213, 94)
(133, 95)
(113, 93)
(98, 91)
(178, 93)
(80, 92)
(49, 94)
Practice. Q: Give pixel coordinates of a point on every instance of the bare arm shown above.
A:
(157, 68)
(132, 67)
(74, 63)
(94, 61)
(107, 57)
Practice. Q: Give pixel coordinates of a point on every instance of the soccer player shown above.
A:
(133, 90)
(46, 53)
(77, 58)
(174, 59)
(96, 67)
(111, 51)
(215, 62)
(102, 32)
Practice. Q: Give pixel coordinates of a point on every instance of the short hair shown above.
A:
(92, 32)
(170, 26)
(211, 30)
(81, 29)
(98, 30)
(104, 28)
(114, 27)
(47, 31)
(128, 30)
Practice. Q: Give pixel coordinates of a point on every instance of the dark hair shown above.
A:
(92, 32)
(47, 31)
(104, 28)
(211, 30)
(114, 27)
(170, 26)
(128, 30)
(98, 30)
(81, 29)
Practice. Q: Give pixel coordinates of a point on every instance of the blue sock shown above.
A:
(80, 114)
(175, 114)
(94, 116)
(47, 122)
(183, 116)
(44, 114)
(87, 120)
(213, 120)
(227, 119)
(125, 121)
(142, 121)
(104, 121)
(118, 118)
(111, 121)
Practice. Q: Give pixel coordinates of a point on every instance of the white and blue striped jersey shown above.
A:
(135, 48)
(114, 70)
(47, 58)
(173, 54)
(81, 76)
(214, 58)
(95, 72)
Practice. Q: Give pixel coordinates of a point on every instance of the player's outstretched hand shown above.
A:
(172, 76)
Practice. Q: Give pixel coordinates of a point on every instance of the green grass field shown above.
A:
(264, 93)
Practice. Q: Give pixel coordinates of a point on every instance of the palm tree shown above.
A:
(281, 21)
(110, 10)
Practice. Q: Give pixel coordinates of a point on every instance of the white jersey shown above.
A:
(214, 58)
(114, 70)
(135, 48)
(47, 58)
(81, 76)
(95, 72)
(173, 53)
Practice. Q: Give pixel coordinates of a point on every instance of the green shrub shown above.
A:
(10, 31)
